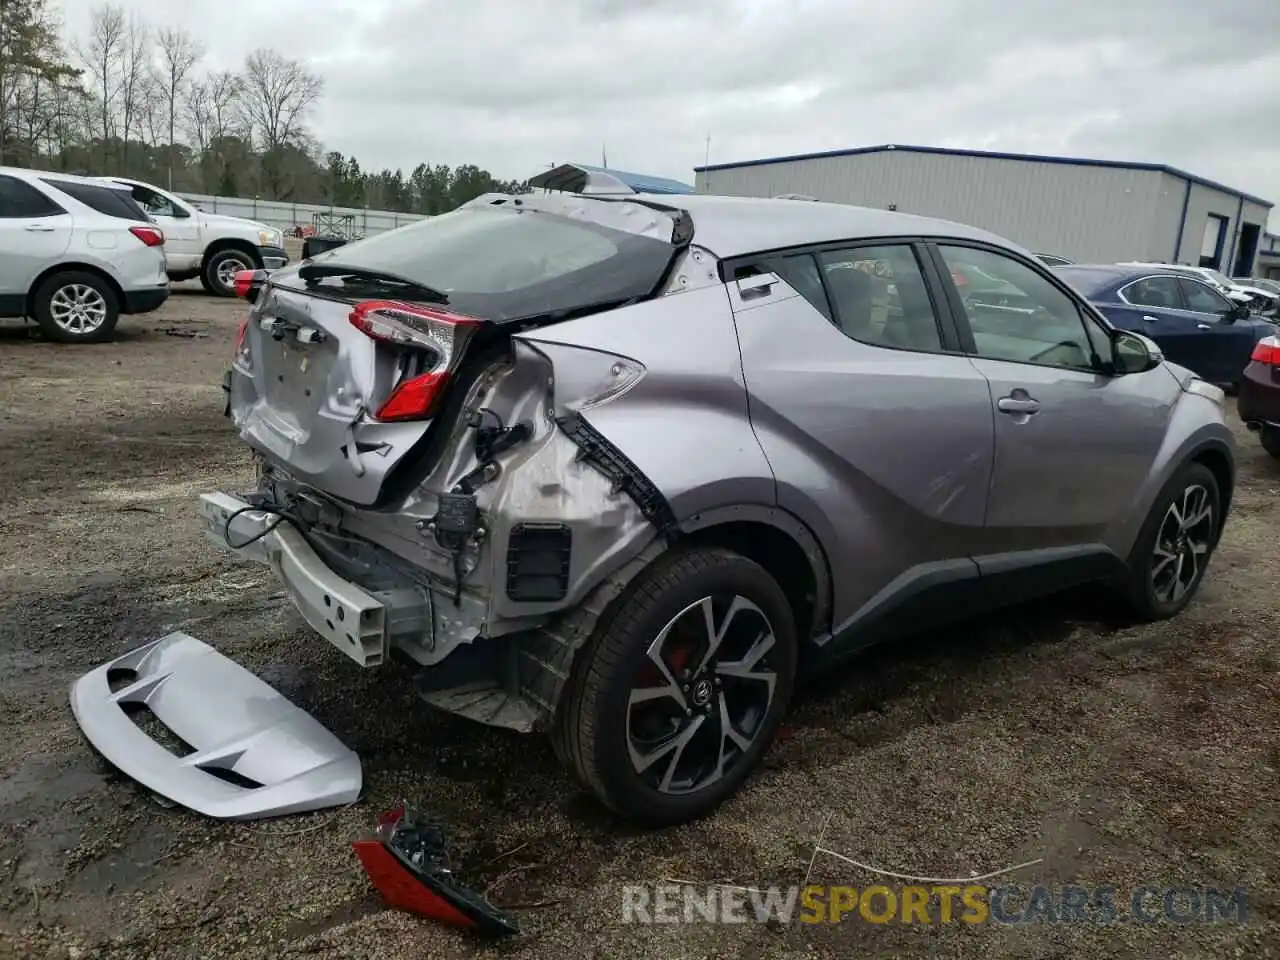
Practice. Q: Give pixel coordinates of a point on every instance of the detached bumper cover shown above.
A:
(246, 752)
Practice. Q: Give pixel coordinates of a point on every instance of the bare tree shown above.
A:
(102, 56)
(179, 53)
(135, 72)
(278, 94)
(213, 108)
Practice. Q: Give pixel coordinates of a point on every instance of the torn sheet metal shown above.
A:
(238, 750)
(408, 863)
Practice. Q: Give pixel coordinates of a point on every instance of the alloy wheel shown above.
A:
(227, 270)
(1182, 544)
(78, 309)
(699, 701)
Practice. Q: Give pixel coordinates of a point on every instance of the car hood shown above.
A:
(221, 220)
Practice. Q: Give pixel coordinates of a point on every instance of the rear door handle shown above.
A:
(39, 228)
(1147, 318)
(1204, 326)
(1018, 404)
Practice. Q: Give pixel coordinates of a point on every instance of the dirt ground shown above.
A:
(1115, 757)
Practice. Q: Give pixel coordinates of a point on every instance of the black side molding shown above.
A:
(594, 448)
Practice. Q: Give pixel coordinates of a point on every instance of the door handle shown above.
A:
(39, 228)
(1018, 404)
(1147, 318)
(1204, 326)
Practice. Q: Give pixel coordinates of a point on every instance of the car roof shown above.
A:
(50, 175)
(733, 226)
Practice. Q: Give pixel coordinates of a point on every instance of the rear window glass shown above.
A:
(505, 263)
(106, 200)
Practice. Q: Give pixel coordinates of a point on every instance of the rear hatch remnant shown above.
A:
(347, 359)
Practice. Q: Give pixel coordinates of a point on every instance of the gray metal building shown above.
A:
(1085, 210)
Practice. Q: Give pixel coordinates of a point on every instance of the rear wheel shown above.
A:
(220, 269)
(1270, 437)
(1174, 547)
(680, 690)
(76, 307)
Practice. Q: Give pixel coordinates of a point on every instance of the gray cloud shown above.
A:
(515, 86)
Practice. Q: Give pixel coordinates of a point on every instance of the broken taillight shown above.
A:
(248, 284)
(151, 236)
(437, 333)
(241, 353)
(1267, 350)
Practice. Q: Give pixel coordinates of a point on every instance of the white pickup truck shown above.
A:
(207, 245)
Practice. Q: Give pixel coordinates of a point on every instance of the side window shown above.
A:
(800, 271)
(1015, 313)
(880, 297)
(1160, 292)
(151, 201)
(18, 200)
(1203, 300)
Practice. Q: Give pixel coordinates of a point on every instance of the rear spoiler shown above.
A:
(568, 178)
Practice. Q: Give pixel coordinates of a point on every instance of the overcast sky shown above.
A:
(512, 85)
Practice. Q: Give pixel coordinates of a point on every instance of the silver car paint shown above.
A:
(884, 466)
(232, 721)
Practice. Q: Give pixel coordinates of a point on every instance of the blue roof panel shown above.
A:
(641, 182)
(991, 155)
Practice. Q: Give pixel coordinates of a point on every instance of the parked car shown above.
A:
(210, 246)
(75, 254)
(1052, 260)
(1258, 299)
(1193, 323)
(622, 469)
(1259, 401)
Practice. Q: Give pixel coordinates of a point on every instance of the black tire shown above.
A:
(592, 731)
(216, 263)
(1270, 437)
(1144, 601)
(76, 286)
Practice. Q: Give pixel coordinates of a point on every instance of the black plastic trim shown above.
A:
(594, 448)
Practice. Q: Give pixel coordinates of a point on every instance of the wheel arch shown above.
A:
(780, 543)
(1216, 457)
(230, 243)
(74, 266)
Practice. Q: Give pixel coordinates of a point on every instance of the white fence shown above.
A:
(285, 216)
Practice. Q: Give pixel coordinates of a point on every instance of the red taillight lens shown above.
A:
(1267, 350)
(247, 284)
(428, 329)
(151, 236)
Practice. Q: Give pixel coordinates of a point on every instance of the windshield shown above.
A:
(506, 263)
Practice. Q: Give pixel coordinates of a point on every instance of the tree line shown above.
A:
(134, 100)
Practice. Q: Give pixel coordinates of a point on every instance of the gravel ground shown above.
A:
(1114, 756)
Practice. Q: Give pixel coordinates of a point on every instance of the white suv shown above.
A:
(210, 246)
(75, 254)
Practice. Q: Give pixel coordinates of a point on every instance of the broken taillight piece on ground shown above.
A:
(409, 865)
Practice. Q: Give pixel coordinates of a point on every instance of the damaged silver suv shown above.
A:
(622, 469)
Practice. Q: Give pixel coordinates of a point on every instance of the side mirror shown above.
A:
(1134, 353)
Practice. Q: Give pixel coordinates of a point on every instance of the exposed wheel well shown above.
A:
(73, 268)
(1217, 463)
(231, 243)
(779, 554)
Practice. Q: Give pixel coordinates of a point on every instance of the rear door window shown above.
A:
(880, 297)
(19, 200)
(106, 200)
(1159, 292)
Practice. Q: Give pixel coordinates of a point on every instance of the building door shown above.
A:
(1249, 234)
(1215, 238)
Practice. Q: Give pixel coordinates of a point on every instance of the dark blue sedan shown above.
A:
(1195, 325)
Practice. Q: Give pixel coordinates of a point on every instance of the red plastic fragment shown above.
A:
(398, 887)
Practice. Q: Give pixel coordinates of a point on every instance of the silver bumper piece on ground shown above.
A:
(244, 751)
(358, 622)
